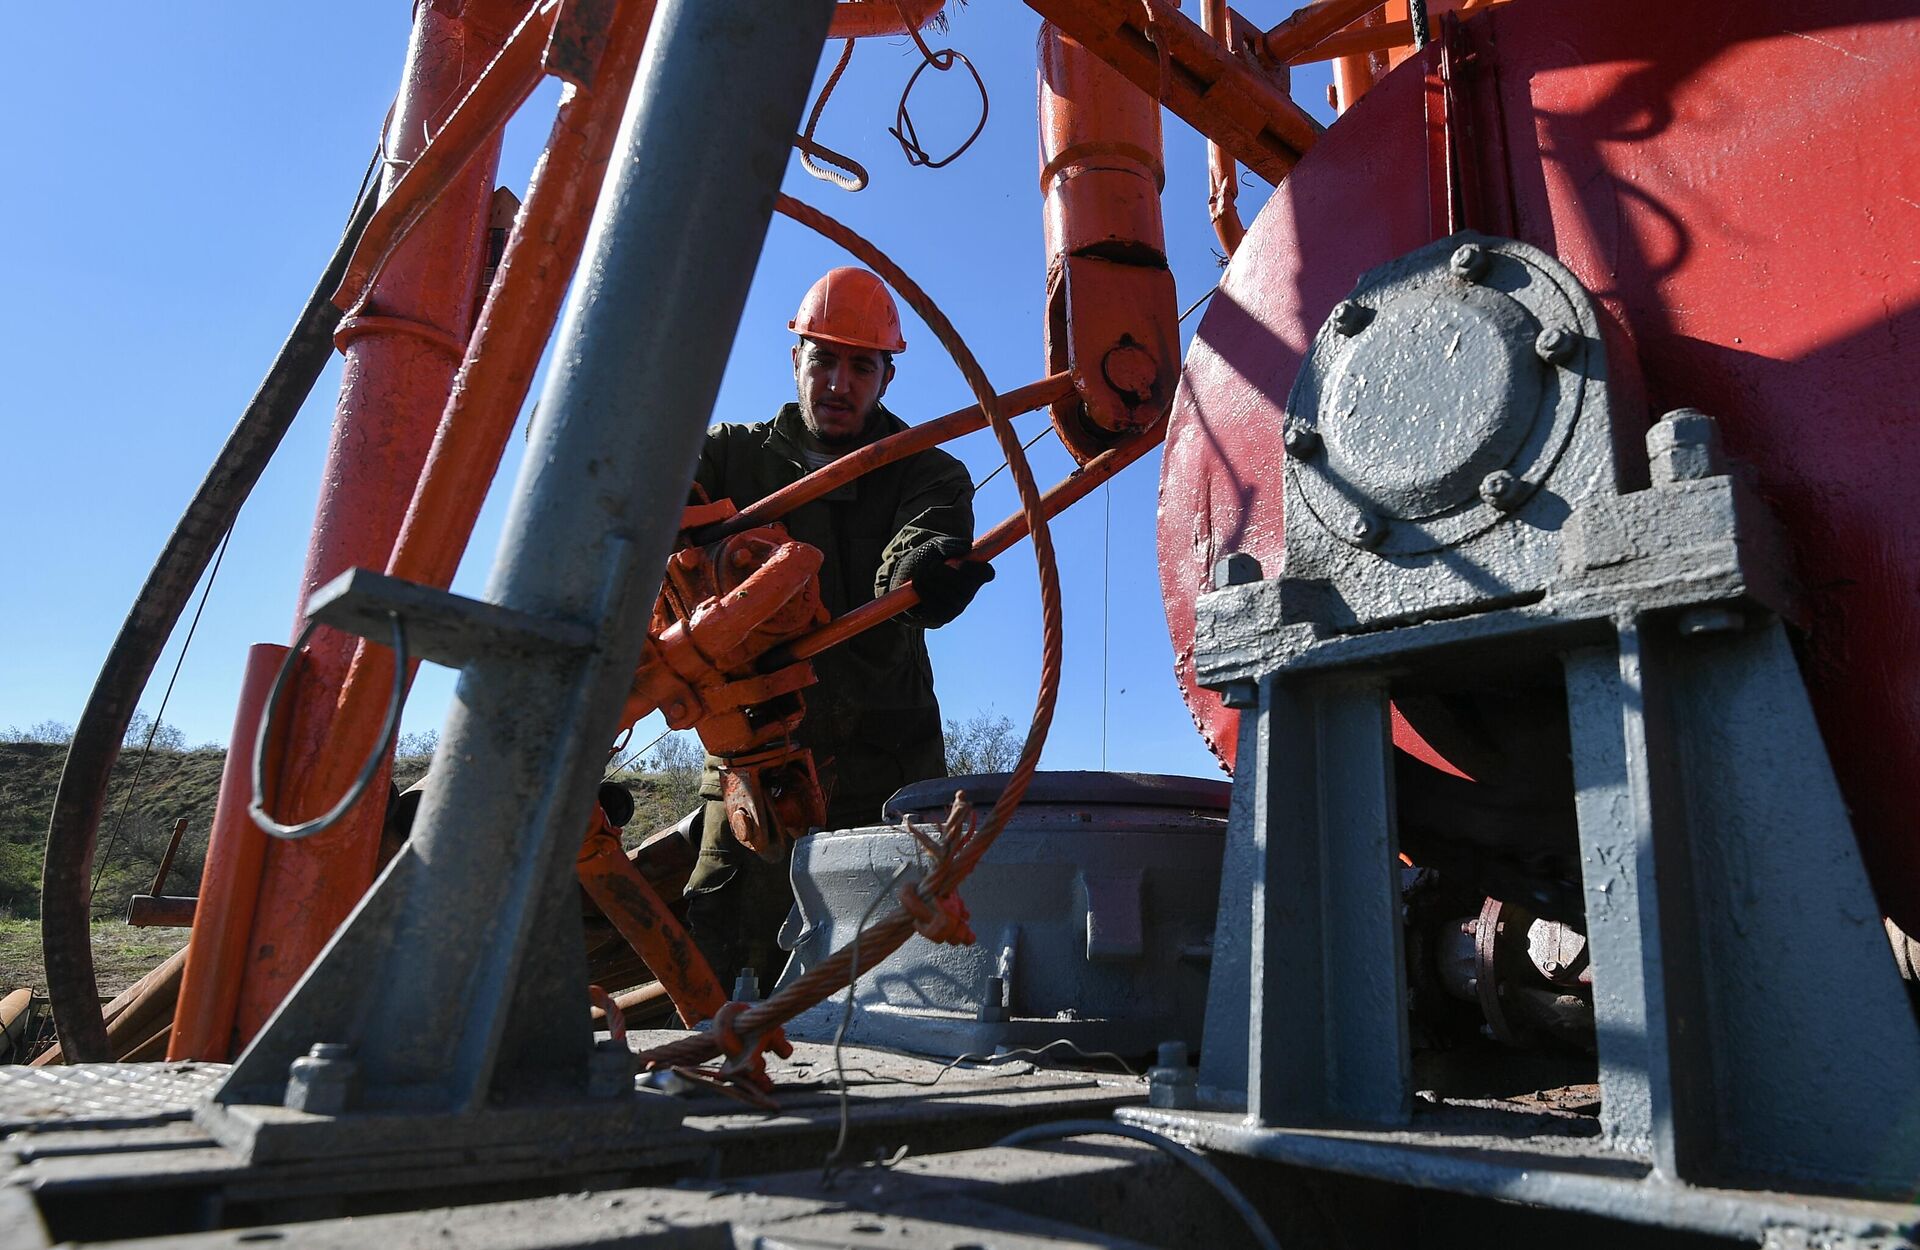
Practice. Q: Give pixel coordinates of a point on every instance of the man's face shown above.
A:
(839, 387)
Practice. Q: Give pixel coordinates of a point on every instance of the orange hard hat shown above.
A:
(852, 307)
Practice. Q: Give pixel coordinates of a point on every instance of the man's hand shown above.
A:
(945, 589)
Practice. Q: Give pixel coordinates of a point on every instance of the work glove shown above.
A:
(945, 589)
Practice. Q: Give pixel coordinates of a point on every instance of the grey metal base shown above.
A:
(1557, 1170)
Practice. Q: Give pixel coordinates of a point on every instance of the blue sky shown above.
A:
(177, 186)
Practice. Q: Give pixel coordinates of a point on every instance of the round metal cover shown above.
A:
(930, 799)
(1426, 381)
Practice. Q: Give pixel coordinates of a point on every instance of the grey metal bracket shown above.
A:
(443, 627)
(1751, 1028)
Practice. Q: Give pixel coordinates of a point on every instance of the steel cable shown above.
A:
(892, 931)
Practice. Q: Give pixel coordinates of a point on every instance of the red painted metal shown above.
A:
(401, 352)
(1757, 245)
(1112, 316)
(230, 882)
(866, 19)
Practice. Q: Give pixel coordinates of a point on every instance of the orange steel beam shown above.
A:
(995, 542)
(864, 19)
(1312, 24)
(625, 896)
(883, 451)
(497, 370)
(502, 87)
(1364, 39)
(1204, 83)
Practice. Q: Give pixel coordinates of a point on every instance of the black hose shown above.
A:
(81, 800)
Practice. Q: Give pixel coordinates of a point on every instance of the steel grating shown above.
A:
(103, 1095)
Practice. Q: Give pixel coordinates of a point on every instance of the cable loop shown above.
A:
(855, 176)
(257, 809)
(902, 129)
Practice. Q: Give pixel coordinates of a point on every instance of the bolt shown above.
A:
(1349, 318)
(746, 986)
(1555, 344)
(1236, 569)
(1695, 622)
(1503, 490)
(1469, 262)
(610, 1069)
(1365, 530)
(1684, 446)
(1172, 1082)
(320, 1082)
(1551, 967)
(741, 557)
(1300, 439)
(676, 710)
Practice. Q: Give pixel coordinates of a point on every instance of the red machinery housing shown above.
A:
(1747, 208)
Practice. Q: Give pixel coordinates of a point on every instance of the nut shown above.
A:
(1555, 344)
(1363, 529)
(1300, 439)
(1469, 261)
(1349, 318)
(1503, 490)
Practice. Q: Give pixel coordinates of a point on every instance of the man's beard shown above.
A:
(839, 442)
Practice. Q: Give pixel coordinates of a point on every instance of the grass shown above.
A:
(121, 954)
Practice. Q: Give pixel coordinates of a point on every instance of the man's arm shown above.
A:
(933, 524)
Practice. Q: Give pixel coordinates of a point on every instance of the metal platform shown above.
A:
(104, 1151)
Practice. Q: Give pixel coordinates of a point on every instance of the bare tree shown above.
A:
(983, 743)
(165, 737)
(47, 732)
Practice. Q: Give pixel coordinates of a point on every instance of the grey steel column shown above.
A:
(430, 981)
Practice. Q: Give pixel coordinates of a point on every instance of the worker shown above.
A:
(872, 722)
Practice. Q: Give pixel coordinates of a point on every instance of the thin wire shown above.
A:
(992, 1060)
(1045, 430)
(1106, 612)
(1208, 294)
(1166, 1145)
(140, 766)
(846, 1022)
(657, 740)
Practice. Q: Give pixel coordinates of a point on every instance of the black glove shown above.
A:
(945, 589)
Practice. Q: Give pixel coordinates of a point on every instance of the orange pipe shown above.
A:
(1357, 43)
(402, 347)
(1223, 178)
(995, 542)
(230, 882)
(893, 447)
(503, 86)
(540, 256)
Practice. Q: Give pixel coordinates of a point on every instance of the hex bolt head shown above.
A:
(1469, 262)
(746, 986)
(1172, 1082)
(1551, 967)
(1684, 446)
(1503, 490)
(1349, 318)
(1555, 344)
(321, 1081)
(1236, 569)
(1300, 439)
(993, 1004)
(1363, 529)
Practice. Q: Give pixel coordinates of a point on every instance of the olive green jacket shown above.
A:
(872, 721)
